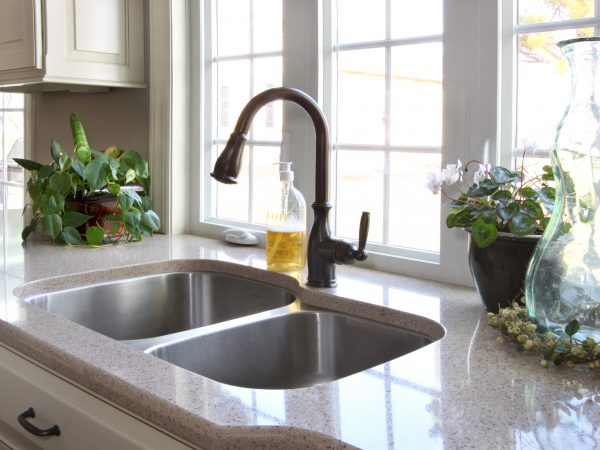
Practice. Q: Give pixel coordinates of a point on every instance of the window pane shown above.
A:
(542, 70)
(232, 200)
(267, 122)
(267, 26)
(416, 18)
(360, 20)
(233, 92)
(233, 27)
(359, 188)
(537, 11)
(12, 100)
(265, 181)
(361, 97)
(414, 210)
(416, 103)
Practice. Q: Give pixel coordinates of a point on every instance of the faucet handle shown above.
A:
(363, 232)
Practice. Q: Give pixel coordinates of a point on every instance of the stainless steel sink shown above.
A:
(158, 305)
(291, 349)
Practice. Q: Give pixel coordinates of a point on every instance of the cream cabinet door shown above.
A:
(20, 34)
(82, 421)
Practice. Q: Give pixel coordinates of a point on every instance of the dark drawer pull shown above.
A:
(30, 414)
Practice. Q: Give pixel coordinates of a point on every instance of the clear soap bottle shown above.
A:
(286, 225)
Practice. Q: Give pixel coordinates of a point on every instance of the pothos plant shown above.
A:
(497, 199)
(84, 174)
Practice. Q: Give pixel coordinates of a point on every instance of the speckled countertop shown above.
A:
(463, 391)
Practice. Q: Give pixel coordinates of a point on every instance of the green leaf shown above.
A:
(94, 235)
(56, 151)
(532, 208)
(26, 232)
(529, 193)
(502, 195)
(130, 159)
(45, 171)
(142, 170)
(486, 187)
(84, 154)
(572, 327)
(60, 182)
(64, 162)
(96, 172)
(548, 173)
(78, 132)
(74, 219)
(52, 225)
(132, 195)
(488, 215)
(131, 221)
(125, 202)
(79, 168)
(503, 175)
(484, 234)
(114, 188)
(28, 164)
(54, 204)
(507, 211)
(522, 224)
(129, 176)
(461, 219)
(71, 236)
(548, 195)
(35, 189)
(151, 220)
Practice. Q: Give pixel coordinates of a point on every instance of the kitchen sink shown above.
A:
(292, 349)
(158, 305)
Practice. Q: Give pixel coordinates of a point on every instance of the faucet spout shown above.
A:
(324, 251)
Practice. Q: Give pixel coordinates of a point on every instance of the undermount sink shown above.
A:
(158, 305)
(291, 349)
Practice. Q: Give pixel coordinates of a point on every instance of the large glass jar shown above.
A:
(563, 279)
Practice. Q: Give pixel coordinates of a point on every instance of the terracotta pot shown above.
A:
(499, 269)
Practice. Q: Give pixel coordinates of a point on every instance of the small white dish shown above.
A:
(239, 237)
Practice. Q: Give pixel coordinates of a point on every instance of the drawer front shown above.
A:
(84, 420)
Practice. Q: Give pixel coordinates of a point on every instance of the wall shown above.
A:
(118, 117)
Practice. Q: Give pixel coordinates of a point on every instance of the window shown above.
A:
(539, 69)
(245, 58)
(386, 103)
(12, 176)
(381, 72)
(388, 120)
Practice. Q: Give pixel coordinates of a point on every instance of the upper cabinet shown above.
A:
(56, 45)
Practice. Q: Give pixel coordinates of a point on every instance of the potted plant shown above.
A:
(505, 212)
(91, 197)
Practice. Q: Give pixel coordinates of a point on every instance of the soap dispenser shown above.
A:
(286, 225)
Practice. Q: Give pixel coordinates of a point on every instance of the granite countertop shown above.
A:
(462, 391)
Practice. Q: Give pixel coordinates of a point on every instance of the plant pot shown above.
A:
(98, 206)
(499, 269)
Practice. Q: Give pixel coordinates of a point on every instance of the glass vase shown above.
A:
(563, 278)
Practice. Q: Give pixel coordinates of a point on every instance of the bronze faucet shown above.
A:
(324, 251)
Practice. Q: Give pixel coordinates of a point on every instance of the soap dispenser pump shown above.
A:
(286, 225)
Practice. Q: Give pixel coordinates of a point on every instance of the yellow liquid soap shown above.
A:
(286, 251)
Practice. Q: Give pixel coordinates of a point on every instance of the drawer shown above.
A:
(85, 421)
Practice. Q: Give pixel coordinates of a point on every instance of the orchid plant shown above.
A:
(495, 199)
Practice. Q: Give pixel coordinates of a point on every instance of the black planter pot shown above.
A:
(499, 269)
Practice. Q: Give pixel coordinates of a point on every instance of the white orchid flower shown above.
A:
(434, 181)
(481, 173)
(452, 173)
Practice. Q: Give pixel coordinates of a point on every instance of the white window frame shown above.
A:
(471, 97)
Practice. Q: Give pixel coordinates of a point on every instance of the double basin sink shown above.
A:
(232, 329)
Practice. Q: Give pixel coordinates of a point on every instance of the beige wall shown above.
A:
(118, 117)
